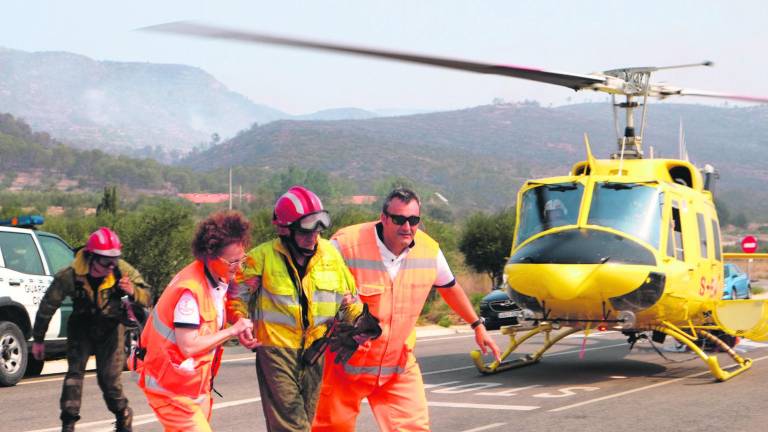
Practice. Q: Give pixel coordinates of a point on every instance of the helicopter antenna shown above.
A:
(681, 142)
(590, 156)
(621, 155)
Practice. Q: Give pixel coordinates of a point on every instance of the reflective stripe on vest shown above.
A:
(373, 370)
(162, 330)
(396, 303)
(278, 313)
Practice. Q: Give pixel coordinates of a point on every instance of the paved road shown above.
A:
(609, 389)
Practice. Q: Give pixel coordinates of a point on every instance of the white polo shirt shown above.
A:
(393, 262)
(187, 312)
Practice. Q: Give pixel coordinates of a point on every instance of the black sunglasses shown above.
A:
(401, 220)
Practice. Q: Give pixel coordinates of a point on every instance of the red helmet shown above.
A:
(104, 242)
(300, 208)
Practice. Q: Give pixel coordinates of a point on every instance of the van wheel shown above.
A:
(13, 354)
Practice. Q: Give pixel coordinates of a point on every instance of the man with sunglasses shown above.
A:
(96, 281)
(294, 285)
(395, 267)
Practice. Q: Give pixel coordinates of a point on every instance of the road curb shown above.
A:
(436, 330)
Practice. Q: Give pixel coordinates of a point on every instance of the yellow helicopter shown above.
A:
(630, 243)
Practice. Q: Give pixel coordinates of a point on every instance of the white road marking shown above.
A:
(464, 388)
(639, 389)
(483, 406)
(143, 418)
(508, 392)
(486, 427)
(447, 383)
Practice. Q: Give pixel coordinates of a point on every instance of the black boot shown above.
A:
(68, 422)
(124, 420)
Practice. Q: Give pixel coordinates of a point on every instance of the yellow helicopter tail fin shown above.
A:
(744, 318)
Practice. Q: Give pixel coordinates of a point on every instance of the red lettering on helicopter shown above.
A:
(703, 286)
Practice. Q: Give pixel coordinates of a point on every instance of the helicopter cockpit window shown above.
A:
(633, 208)
(549, 206)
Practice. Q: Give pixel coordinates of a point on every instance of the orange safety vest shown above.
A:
(396, 303)
(160, 372)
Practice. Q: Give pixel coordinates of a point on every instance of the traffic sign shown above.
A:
(749, 244)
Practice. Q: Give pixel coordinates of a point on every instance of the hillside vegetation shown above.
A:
(478, 157)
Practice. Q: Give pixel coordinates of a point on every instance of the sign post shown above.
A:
(749, 245)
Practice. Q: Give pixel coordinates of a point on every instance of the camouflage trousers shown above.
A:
(107, 345)
(288, 387)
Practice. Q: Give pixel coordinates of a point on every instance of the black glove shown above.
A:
(342, 342)
(345, 337)
(366, 326)
(315, 351)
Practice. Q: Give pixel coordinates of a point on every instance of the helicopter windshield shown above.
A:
(633, 208)
(549, 206)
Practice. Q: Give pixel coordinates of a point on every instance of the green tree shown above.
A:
(740, 220)
(156, 240)
(108, 202)
(486, 240)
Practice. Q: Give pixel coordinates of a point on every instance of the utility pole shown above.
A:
(230, 188)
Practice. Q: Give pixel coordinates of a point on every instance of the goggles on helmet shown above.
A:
(317, 221)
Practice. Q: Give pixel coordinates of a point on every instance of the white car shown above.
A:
(28, 261)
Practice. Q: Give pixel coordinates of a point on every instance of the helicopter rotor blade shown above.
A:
(624, 81)
(667, 91)
(572, 81)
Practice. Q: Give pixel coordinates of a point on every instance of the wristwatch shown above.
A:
(480, 321)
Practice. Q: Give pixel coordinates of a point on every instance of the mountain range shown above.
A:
(123, 106)
(478, 157)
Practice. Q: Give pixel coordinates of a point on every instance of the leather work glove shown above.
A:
(366, 326)
(342, 342)
(346, 337)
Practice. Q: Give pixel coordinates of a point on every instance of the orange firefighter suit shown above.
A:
(383, 370)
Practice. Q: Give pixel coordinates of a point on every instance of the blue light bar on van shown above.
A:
(26, 221)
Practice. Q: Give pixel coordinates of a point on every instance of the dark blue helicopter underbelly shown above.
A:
(583, 246)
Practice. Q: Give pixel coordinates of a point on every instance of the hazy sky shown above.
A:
(573, 36)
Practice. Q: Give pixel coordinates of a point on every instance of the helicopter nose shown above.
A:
(579, 264)
(566, 282)
(559, 282)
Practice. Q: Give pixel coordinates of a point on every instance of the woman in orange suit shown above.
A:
(185, 332)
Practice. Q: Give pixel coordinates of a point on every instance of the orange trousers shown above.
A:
(398, 405)
(181, 413)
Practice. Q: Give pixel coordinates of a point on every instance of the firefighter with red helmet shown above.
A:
(294, 286)
(96, 281)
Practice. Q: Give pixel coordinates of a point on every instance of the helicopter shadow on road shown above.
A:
(569, 369)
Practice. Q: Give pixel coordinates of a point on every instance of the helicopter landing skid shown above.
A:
(514, 342)
(711, 360)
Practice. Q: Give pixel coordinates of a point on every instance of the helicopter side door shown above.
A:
(679, 261)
